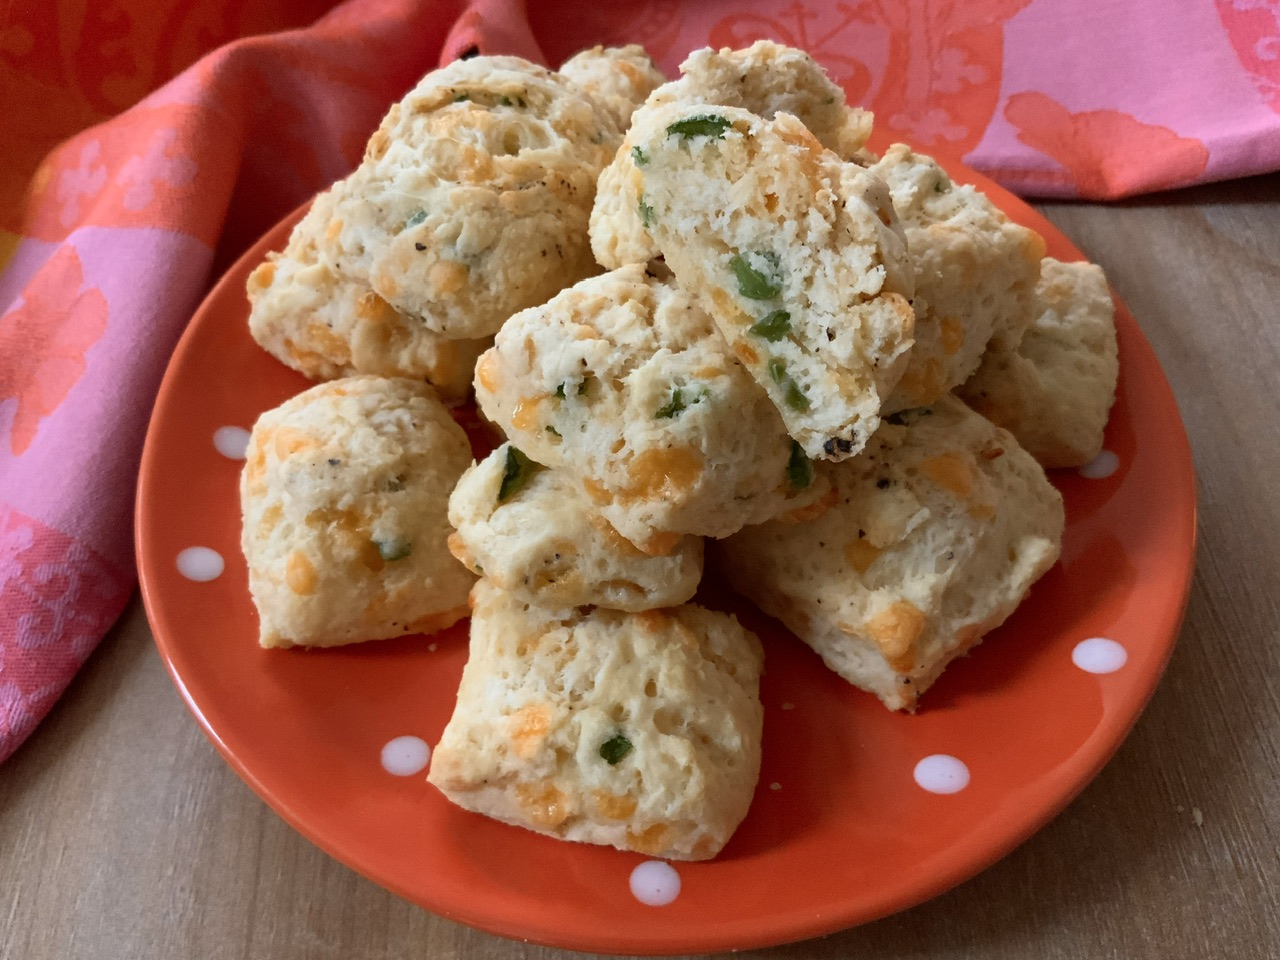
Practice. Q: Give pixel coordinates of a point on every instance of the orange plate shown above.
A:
(839, 833)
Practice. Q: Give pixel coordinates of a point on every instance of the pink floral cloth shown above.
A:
(109, 239)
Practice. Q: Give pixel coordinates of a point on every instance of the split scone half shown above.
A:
(939, 530)
(623, 383)
(975, 274)
(1055, 391)
(765, 78)
(327, 325)
(473, 197)
(618, 77)
(533, 532)
(344, 496)
(797, 256)
(637, 730)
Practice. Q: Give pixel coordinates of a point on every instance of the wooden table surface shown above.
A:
(124, 835)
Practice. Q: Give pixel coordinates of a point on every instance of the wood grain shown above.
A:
(124, 835)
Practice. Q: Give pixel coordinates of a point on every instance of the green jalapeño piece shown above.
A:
(773, 327)
(614, 749)
(752, 284)
(517, 472)
(703, 125)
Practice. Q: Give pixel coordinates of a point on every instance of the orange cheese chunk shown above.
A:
(529, 727)
(300, 574)
(895, 630)
(951, 472)
(447, 277)
(667, 473)
(861, 554)
(487, 370)
(613, 806)
(527, 413)
(952, 331)
(651, 841)
(543, 803)
(287, 441)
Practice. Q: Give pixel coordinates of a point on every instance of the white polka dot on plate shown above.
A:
(231, 442)
(1100, 467)
(941, 773)
(655, 883)
(405, 756)
(1099, 655)
(200, 564)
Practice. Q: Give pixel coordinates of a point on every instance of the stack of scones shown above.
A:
(711, 326)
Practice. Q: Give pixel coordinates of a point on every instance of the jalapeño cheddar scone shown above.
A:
(533, 532)
(344, 495)
(795, 253)
(975, 274)
(624, 383)
(618, 77)
(1054, 392)
(326, 324)
(473, 197)
(766, 78)
(637, 730)
(940, 528)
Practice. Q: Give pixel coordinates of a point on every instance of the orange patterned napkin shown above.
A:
(147, 142)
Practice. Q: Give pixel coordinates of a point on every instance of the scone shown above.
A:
(975, 274)
(326, 325)
(618, 77)
(638, 730)
(473, 197)
(344, 497)
(623, 383)
(796, 255)
(1054, 392)
(939, 530)
(533, 532)
(766, 78)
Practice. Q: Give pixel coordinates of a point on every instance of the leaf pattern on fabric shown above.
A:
(79, 183)
(1253, 26)
(156, 166)
(825, 40)
(1108, 153)
(43, 341)
(929, 69)
(59, 597)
